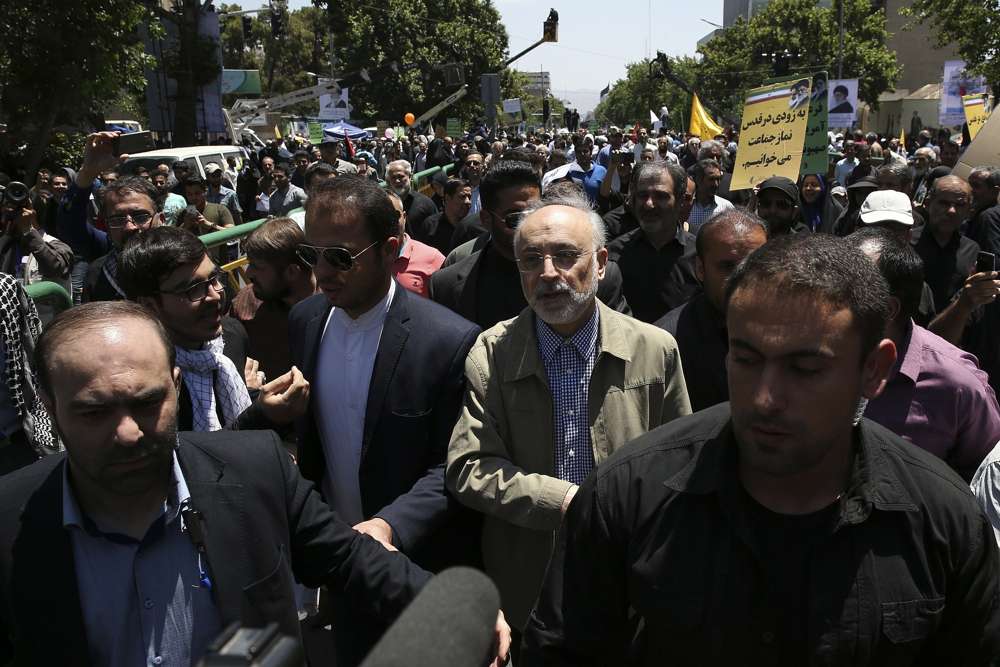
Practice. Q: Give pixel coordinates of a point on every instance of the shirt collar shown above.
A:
(584, 340)
(872, 482)
(374, 317)
(912, 353)
(178, 494)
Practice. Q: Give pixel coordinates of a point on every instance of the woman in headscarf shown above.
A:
(818, 210)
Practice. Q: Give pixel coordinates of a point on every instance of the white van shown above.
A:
(197, 158)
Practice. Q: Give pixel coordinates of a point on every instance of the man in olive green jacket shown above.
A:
(552, 393)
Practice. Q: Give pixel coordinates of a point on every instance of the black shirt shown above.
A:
(436, 231)
(418, 207)
(498, 294)
(619, 221)
(700, 332)
(945, 268)
(984, 229)
(662, 532)
(655, 281)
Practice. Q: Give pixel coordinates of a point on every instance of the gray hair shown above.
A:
(898, 170)
(404, 163)
(572, 200)
(708, 147)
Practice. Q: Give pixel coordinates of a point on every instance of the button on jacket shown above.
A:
(907, 575)
(501, 460)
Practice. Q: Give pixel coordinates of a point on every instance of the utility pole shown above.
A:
(840, 58)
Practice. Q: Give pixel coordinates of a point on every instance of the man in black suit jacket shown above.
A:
(226, 513)
(386, 371)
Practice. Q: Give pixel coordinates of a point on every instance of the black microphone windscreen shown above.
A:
(450, 623)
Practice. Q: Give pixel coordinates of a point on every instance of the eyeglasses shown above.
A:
(564, 260)
(199, 291)
(339, 258)
(137, 218)
(511, 220)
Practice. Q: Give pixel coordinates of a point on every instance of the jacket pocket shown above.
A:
(911, 621)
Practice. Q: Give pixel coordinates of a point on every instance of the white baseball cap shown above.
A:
(887, 206)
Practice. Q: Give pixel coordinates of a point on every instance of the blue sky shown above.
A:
(597, 37)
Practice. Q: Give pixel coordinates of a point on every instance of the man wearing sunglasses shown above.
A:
(127, 207)
(551, 393)
(386, 370)
(485, 286)
(169, 271)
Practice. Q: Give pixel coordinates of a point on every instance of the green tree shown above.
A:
(631, 99)
(55, 71)
(403, 43)
(797, 36)
(973, 26)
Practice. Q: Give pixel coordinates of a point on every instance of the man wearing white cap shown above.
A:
(890, 210)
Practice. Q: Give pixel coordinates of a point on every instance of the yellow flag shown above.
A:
(902, 138)
(277, 132)
(702, 124)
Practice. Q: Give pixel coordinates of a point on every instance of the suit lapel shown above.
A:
(222, 507)
(43, 577)
(395, 331)
(466, 285)
(311, 342)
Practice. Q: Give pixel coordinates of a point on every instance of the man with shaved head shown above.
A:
(700, 324)
(949, 256)
(538, 384)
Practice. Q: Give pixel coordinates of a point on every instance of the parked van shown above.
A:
(197, 158)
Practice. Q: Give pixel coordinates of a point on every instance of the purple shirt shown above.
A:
(937, 398)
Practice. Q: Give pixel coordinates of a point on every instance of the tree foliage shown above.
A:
(401, 43)
(973, 26)
(631, 99)
(63, 62)
(733, 61)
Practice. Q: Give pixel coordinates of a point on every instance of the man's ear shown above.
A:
(602, 262)
(875, 372)
(699, 269)
(47, 401)
(150, 302)
(177, 380)
(895, 306)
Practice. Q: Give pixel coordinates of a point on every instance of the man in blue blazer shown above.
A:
(386, 371)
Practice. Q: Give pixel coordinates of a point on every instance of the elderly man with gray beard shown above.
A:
(550, 394)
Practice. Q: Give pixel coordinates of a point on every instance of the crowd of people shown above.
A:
(666, 418)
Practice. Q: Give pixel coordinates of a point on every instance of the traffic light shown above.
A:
(550, 29)
(546, 111)
(277, 23)
(247, 27)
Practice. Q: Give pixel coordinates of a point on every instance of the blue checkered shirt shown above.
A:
(569, 363)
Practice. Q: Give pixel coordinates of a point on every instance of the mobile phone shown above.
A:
(986, 261)
(134, 142)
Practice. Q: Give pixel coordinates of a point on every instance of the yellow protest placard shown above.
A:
(772, 133)
(975, 112)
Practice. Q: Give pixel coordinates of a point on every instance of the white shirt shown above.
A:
(843, 170)
(476, 201)
(986, 486)
(343, 374)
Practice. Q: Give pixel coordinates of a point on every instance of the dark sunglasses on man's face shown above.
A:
(337, 257)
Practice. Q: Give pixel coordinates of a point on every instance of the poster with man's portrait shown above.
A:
(842, 102)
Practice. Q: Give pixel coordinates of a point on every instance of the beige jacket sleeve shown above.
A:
(481, 471)
(676, 402)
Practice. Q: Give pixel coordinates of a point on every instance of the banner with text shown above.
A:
(956, 83)
(772, 133)
(814, 149)
(975, 112)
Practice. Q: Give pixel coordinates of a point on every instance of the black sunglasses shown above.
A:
(336, 256)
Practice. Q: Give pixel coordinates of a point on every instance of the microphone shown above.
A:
(451, 622)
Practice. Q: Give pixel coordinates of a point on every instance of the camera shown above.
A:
(13, 198)
(253, 647)
(625, 155)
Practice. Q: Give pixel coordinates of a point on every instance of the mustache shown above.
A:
(543, 289)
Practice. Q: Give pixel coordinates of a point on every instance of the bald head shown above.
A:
(568, 211)
(85, 335)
